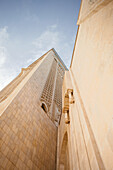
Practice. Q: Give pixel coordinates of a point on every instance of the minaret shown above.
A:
(30, 109)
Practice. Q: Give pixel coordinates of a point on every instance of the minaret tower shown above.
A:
(30, 109)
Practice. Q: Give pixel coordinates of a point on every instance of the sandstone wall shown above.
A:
(92, 69)
(90, 131)
(27, 135)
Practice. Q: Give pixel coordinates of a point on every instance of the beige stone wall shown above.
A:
(27, 135)
(90, 131)
(89, 7)
(92, 69)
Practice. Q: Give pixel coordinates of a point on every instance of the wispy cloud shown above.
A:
(3, 35)
(3, 40)
(3, 54)
(51, 38)
(5, 75)
(47, 40)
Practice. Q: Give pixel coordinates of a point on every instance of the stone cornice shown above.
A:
(93, 8)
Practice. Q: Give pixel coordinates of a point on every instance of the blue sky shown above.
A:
(29, 28)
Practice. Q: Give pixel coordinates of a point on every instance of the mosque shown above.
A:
(54, 118)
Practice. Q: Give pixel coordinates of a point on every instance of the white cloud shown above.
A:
(51, 38)
(2, 55)
(3, 35)
(6, 74)
(46, 41)
(3, 39)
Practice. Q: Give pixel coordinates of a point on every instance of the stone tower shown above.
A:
(30, 108)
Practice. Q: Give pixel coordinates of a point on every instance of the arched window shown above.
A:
(44, 107)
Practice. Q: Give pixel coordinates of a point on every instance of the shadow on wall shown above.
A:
(64, 156)
(44, 107)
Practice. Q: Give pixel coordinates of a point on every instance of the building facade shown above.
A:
(52, 118)
(85, 133)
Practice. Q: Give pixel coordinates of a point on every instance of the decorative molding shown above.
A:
(68, 99)
(71, 97)
(92, 1)
(94, 7)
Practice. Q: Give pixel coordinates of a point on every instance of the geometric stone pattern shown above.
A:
(58, 88)
(42, 73)
(27, 135)
(49, 86)
(51, 95)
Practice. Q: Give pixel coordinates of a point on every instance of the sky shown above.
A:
(29, 28)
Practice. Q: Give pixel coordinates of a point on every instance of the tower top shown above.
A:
(5, 92)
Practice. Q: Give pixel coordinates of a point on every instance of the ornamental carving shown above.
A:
(68, 99)
(92, 1)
